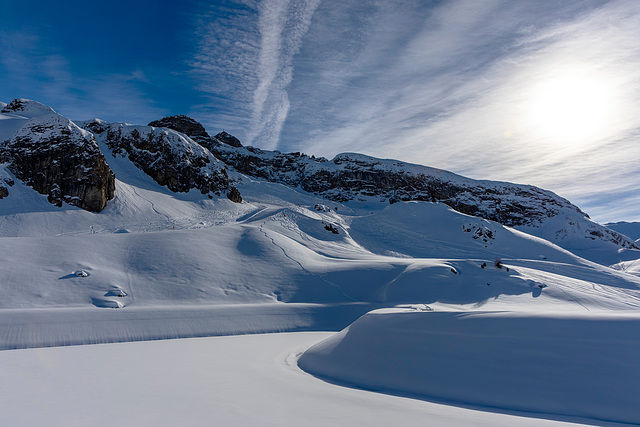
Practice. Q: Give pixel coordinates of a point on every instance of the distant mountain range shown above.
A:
(630, 229)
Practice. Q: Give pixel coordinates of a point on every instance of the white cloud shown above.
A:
(244, 63)
(457, 94)
(450, 84)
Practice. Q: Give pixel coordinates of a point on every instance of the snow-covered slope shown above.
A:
(275, 246)
(363, 179)
(180, 258)
(630, 229)
(564, 365)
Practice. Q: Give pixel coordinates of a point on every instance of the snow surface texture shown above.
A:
(156, 264)
(578, 365)
(631, 229)
(223, 381)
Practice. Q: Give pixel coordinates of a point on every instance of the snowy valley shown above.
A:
(382, 290)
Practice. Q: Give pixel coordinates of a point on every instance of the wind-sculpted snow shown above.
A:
(577, 365)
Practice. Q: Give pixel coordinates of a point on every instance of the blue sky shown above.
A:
(539, 92)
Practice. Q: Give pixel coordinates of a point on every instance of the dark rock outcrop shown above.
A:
(228, 139)
(169, 157)
(4, 183)
(57, 158)
(234, 195)
(183, 124)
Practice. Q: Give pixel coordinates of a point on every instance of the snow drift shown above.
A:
(548, 364)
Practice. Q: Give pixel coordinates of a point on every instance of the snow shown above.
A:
(50, 327)
(29, 108)
(9, 125)
(631, 229)
(237, 380)
(577, 365)
(158, 265)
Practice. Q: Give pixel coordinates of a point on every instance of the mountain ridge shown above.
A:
(181, 155)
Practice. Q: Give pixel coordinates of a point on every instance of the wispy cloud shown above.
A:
(245, 56)
(227, 45)
(282, 24)
(447, 83)
(453, 86)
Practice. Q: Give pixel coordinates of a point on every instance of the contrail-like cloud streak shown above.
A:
(282, 25)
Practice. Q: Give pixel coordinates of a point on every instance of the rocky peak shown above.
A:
(27, 108)
(170, 157)
(227, 138)
(183, 124)
(58, 159)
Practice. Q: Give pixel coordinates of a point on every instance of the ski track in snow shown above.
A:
(303, 268)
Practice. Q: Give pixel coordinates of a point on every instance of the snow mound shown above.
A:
(561, 365)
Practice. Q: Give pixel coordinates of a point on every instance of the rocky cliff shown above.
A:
(356, 177)
(57, 158)
(171, 158)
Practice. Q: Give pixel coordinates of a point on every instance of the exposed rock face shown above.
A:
(234, 195)
(359, 177)
(228, 139)
(57, 158)
(169, 157)
(183, 124)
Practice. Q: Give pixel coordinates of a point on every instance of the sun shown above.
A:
(570, 108)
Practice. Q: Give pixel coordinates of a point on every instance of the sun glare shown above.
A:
(570, 109)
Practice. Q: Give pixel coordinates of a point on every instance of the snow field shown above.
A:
(229, 381)
(180, 265)
(548, 365)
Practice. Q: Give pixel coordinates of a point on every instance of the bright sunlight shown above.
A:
(570, 109)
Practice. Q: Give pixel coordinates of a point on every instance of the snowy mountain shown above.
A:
(630, 229)
(201, 236)
(166, 180)
(57, 158)
(181, 155)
